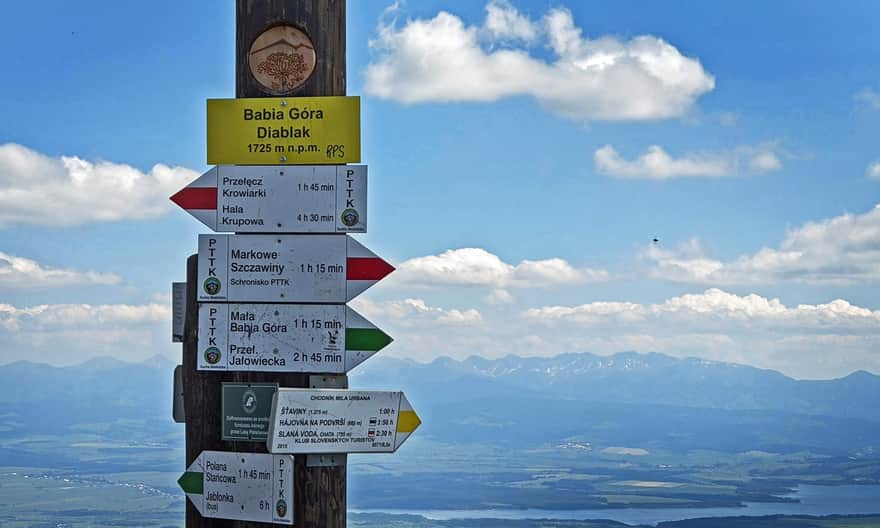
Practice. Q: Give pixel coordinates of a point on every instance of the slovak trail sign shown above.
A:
(282, 130)
(339, 421)
(279, 199)
(330, 338)
(285, 268)
(241, 486)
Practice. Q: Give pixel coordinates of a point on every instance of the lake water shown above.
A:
(814, 500)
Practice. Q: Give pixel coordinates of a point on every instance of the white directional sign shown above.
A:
(241, 486)
(279, 199)
(285, 337)
(286, 268)
(339, 421)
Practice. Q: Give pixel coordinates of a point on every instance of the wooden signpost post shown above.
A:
(266, 333)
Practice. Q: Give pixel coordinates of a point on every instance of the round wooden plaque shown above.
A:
(281, 59)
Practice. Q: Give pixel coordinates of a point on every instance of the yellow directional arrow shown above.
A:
(408, 421)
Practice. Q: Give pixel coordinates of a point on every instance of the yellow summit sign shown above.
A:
(284, 130)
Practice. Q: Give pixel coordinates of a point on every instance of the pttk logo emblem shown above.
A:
(212, 356)
(350, 217)
(212, 285)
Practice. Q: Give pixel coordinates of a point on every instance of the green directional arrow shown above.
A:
(371, 339)
(192, 482)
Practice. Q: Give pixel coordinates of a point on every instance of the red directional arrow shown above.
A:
(196, 198)
(369, 269)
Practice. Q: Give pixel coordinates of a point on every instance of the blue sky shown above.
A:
(522, 155)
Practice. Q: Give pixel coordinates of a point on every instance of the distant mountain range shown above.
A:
(102, 384)
(632, 399)
(648, 401)
(632, 377)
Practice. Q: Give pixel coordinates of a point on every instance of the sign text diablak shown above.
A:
(284, 130)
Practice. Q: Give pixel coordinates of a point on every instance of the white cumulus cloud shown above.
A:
(79, 316)
(478, 267)
(72, 333)
(68, 190)
(607, 78)
(23, 273)
(505, 22)
(412, 312)
(842, 250)
(499, 296)
(806, 340)
(657, 164)
(819, 340)
(873, 170)
(765, 162)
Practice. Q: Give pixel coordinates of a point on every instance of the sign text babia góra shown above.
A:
(294, 130)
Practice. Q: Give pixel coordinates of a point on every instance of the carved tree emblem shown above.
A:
(281, 59)
(287, 69)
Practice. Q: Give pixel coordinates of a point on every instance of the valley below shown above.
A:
(511, 450)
